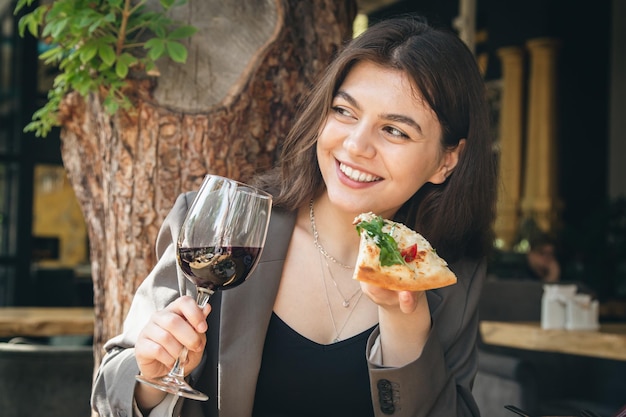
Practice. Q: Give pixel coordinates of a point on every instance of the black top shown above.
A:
(299, 377)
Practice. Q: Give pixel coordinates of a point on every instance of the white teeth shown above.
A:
(356, 175)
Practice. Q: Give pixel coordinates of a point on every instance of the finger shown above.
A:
(149, 351)
(180, 329)
(158, 332)
(155, 344)
(378, 294)
(186, 306)
(408, 301)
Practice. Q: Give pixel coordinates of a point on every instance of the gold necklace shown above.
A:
(318, 245)
(346, 301)
(330, 310)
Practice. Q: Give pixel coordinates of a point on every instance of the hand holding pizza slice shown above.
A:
(394, 257)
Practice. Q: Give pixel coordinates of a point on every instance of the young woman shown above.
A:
(398, 126)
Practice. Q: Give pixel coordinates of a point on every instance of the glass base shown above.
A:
(173, 385)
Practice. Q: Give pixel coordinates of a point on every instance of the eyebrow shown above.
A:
(387, 116)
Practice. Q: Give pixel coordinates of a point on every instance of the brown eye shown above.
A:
(341, 111)
(395, 132)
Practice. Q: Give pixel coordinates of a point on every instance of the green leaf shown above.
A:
(182, 32)
(121, 69)
(107, 54)
(126, 103)
(95, 25)
(20, 5)
(156, 48)
(33, 28)
(176, 51)
(84, 39)
(36, 126)
(57, 27)
(27, 22)
(127, 59)
(52, 54)
(109, 38)
(60, 81)
(84, 18)
(159, 31)
(88, 52)
(167, 3)
(81, 87)
(110, 17)
(389, 252)
(111, 105)
(45, 118)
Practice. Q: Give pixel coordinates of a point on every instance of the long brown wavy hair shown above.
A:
(456, 216)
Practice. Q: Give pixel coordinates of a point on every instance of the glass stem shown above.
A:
(203, 296)
(178, 370)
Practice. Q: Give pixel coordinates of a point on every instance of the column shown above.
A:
(465, 23)
(510, 145)
(540, 200)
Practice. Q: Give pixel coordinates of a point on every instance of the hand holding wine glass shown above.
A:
(219, 245)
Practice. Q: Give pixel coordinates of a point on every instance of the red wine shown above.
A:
(218, 267)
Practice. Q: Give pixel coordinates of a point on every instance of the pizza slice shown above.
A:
(395, 257)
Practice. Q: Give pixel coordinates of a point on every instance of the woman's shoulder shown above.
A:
(470, 272)
(282, 222)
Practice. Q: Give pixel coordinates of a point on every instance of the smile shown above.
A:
(356, 175)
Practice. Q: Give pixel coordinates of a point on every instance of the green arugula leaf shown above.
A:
(389, 252)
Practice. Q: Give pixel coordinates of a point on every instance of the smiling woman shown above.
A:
(386, 130)
(378, 135)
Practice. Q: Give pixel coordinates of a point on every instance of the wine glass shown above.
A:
(219, 245)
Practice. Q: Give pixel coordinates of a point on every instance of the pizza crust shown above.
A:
(426, 271)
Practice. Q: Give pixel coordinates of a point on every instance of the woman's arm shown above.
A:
(438, 382)
(114, 386)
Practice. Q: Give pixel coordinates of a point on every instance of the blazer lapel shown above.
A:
(245, 314)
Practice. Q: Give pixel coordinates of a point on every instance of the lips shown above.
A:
(356, 175)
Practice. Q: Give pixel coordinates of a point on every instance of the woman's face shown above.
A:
(380, 142)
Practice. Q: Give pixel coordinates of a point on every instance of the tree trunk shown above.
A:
(225, 111)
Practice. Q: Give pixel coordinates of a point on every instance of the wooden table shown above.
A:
(609, 342)
(46, 321)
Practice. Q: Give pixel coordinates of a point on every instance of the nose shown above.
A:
(360, 141)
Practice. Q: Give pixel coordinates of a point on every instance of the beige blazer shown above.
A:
(436, 384)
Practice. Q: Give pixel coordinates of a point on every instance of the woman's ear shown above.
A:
(448, 163)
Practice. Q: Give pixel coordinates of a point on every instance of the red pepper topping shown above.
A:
(409, 253)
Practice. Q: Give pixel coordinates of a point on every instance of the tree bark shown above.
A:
(225, 111)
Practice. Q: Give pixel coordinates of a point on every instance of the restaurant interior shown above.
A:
(556, 77)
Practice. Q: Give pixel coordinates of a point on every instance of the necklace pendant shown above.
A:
(346, 304)
(335, 340)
